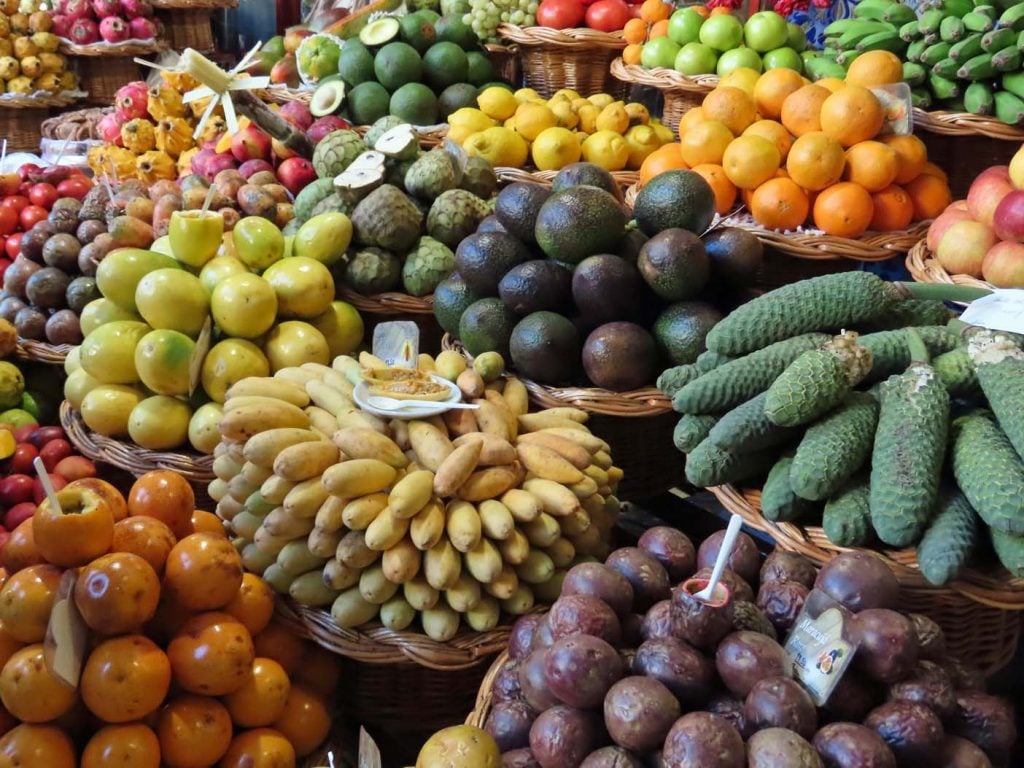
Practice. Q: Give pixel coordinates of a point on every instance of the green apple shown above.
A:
(659, 52)
(684, 26)
(258, 242)
(696, 59)
(765, 31)
(783, 58)
(797, 39)
(723, 32)
(738, 58)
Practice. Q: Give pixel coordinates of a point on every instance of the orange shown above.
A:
(875, 68)
(635, 31)
(773, 87)
(259, 748)
(893, 209)
(31, 691)
(801, 110)
(110, 494)
(261, 699)
(690, 118)
(37, 745)
(832, 83)
(930, 195)
(743, 78)
(700, 9)
(193, 730)
(774, 132)
(655, 10)
(212, 654)
(731, 106)
(843, 210)
(779, 204)
(815, 161)
(125, 678)
(933, 170)
(851, 115)
(26, 601)
(204, 572)
(659, 29)
(165, 495)
(749, 161)
(146, 537)
(116, 746)
(277, 643)
(871, 164)
(912, 153)
(725, 190)
(207, 522)
(117, 593)
(665, 158)
(305, 721)
(21, 550)
(253, 605)
(631, 53)
(705, 143)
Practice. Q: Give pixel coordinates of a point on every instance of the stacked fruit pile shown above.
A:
(109, 21)
(813, 153)
(521, 129)
(625, 669)
(959, 55)
(468, 516)
(29, 61)
(777, 395)
(277, 60)
(174, 633)
(602, 15)
(693, 42)
(983, 236)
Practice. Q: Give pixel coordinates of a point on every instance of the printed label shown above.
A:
(895, 100)
(820, 654)
(397, 343)
(1003, 310)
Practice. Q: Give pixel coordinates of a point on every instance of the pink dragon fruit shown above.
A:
(62, 25)
(84, 32)
(135, 8)
(77, 9)
(141, 28)
(109, 128)
(104, 8)
(58, 7)
(130, 101)
(114, 29)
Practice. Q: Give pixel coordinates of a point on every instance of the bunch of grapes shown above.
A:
(485, 15)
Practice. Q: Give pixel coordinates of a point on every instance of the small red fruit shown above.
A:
(53, 452)
(75, 468)
(22, 458)
(40, 436)
(39, 493)
(13, 244)
(16, 489)
(31, 215)
(8, 220)
(24, 434)
(607, 15)
(74, 186)
(44, 195)
(17, 202)
(17, 514)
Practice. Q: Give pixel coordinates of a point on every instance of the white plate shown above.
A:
(418, 409)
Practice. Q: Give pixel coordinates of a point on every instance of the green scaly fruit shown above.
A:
(747, 428)
(708, 465)
(950, 539)
(913, 312)
(890, 353)
(1010, 551)
(778, 501)
(672, 380)
(956, 372)
(846, 518)
(1000, 370)
(989, 471)
(708, 361)
(691, 430)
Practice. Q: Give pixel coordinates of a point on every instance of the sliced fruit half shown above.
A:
(378, 32)
(400, 143)
(327, 98)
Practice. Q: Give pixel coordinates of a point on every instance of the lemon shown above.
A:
(497, 102)
(555, 148)
(638, 114)
(567, 93)
(588, 118)
(613, 118)
(664, 132)
(607, 149)
(524, 95)
(642, 140)
(743, 78)
(499, 146)
(562, 110)
(600, 100)
(471, 119)
(531, 119)
(577, 103)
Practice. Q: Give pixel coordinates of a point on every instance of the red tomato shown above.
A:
(13, 245)
(42, 194)
(607, 15)
(74, 186)
(560, 14)
(8, 220)
(17, 202)
(30, 215)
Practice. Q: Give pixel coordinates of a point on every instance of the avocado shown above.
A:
(607, 288)
(579, 222)
(327, 98)
(577, 174)
(486, 326)
(681, 328)
(453, 29)
(545, 347)
(397, 64)
(355, 63)
(630, 245)
(736, 256)
(675, 199)
(445, 64)
(675, 264)
(484, 258)
(620, 357)
(451, 297)
(417, 29)
(517, 206)
(480, 68)
(536, 285)
(454, 98)
(491, 224)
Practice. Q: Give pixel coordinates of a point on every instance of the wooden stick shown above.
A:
(249, 105)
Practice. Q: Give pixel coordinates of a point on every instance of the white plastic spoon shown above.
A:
(391, 404)
(731, 532)
(44, 478)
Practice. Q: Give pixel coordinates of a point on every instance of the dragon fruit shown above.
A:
(141, 28)
(104, 8)
(130, 100)
(77, 9)
(62, 25)
(135, 8)
(164, 102)
(109, 128)
(114, 29)
(84, 32)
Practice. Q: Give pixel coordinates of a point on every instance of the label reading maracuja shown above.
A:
(397, 343)
(819, 652)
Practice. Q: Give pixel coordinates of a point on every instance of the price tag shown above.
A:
(1002, 310)
(898, 108)
(195, 365)
(397, 343)
(819, 652)
(66, 634)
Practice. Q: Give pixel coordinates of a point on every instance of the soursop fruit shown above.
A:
(310, 196)
(333, 203)
(373, 270)
(395, 172)
(431, 175)
(426, 265)
(478, 177)
(455, 215)
(336, 151)
(382, 126)
(386, 218)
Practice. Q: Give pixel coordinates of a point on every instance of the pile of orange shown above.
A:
(179, 664)
(652, 23)
(799, 153)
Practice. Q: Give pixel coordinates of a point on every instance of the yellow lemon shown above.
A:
(499, 146)
(468, 118)
(642, 140)
(531, 119)
(562, 111)
(588, 118)
(577, 103)
(613, 118)
(600, 100)
(497, 102)
(664, 132)
(567, 93)
(555, 148)
(524, 95)
(607, 149)
(743, 78)
(638, 114)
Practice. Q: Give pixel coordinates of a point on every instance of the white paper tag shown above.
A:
(820, 654)
(895, 100)
(397, 343)
(1003, 310)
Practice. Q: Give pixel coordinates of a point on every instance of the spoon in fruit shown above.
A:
(731, 532)
(391, 404)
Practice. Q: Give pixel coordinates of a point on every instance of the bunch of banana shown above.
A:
(470, 515)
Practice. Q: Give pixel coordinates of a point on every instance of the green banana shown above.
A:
(1013, 18)
(849, 40)
(914, 74)
(945, 68)
(933, 54)
(820, 67)
(967, 48)
(930, 20)
(978, 68)
(846, 57)
(1008, 59)
(957, 7)
(979, 99)
(921, 98)
(952, 29)
(1009, 108)
(837, 28)
(910, 31)
(899, 14)
(915, 50)
(998, 39)
(1014, 83)
(871, 10)
(978, 22)
(987, 10)
(882, 41)
(943, 87)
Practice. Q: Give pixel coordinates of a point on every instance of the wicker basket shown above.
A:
(508, 175)
(41, 352)
(567, 58)
(79, 125)
(277, 95)
(926, 269)
(21, 119)
(506, 62)
(485, 695)
(112, 50)
(383, 307)
(191, 28)
(681, 93)
(101, 77)
(980, 613)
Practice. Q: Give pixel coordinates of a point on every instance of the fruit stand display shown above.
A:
(189, 23)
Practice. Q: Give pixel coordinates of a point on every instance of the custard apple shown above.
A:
(395, 172)
(387, 219)
(310, 195)
(333, 203)
(478, 177)
(454, 216)
(426, 265)
(336, 151)
(431, 175)
(373, 270)
(382, 126)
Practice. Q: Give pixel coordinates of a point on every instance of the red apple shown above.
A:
(17, 202)
(293, 37)
(12, 246)
(74, 186)
(250, 143)
(31, 215)
(285, 71)
(39, 493)
(75, 468)
(987, 191)
(963, 247)
(325, 125)
(15, 489)
(53, 452)
(295, 173)
(954, 212)
(22, 458)
(1004, 265)
(16, 514)
(249, 167)
(24, 434)
(40, 436)
(297, 113)
(1009, 217)
(44, 195)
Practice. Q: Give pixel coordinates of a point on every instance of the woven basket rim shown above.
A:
(194, 467)
(925, 268)
(485, 694)
(578, 37)
(48, 101)
(663, 79)
(189, 5)
(41, 352)
(966, 124)
(995, 590)
(508, 175)
(389, 303)
(117, 50)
